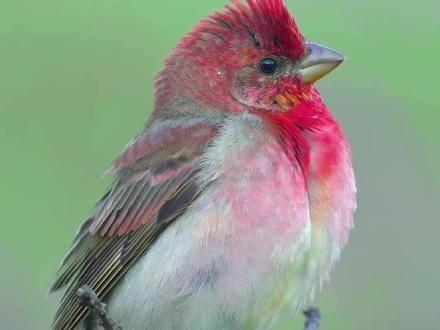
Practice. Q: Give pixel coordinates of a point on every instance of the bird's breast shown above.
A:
(257, 239)
(332, 198)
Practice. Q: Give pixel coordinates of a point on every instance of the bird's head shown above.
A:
(250, 57)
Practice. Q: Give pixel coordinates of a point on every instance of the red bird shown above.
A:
(235, 200)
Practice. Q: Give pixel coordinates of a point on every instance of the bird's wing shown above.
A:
(155, 180)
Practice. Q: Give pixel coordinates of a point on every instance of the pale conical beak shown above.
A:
(318, 62)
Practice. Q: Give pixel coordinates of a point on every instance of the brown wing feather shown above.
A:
(155, 180)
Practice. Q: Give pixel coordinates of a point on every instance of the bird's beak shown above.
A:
(318, 62)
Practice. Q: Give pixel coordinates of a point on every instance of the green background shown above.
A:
(76, 85)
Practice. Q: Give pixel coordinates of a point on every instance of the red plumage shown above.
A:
(243, 168)
(268, 23)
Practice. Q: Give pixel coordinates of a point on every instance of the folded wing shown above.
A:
(155, 180)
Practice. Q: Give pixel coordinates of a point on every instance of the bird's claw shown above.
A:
(313, 318)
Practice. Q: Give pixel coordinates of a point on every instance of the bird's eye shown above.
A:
(268, 66)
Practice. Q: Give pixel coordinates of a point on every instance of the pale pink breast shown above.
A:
(262, 196)
(331, 186)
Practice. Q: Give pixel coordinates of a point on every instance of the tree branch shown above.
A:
(89, 299)
(313, 319)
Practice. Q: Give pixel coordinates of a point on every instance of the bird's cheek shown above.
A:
(251, 90)
(289, 93)
(286, 101)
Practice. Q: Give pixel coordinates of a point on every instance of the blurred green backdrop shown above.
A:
(76, 85)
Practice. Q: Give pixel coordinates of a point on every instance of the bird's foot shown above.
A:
(313, 319)
(88, 298)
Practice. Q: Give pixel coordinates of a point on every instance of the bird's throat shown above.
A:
(292, 140)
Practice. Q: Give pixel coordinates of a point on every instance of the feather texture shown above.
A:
(155, 180)
(242, 180)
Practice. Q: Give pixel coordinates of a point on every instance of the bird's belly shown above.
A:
(229, 262)
(184, 284)
(200, 292)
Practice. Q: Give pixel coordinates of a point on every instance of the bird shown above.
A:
(234, 202)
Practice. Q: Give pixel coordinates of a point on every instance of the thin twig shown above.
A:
(89, 299)
(313, 319)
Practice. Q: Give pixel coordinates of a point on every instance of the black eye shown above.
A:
(268, 66)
